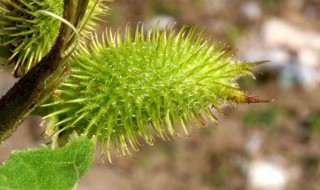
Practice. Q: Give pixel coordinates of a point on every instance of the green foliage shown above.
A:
(144, 86)
(313, 124)
(160, 7)
(48, 169)
(265, 118)
(272, 2)
(311, 163)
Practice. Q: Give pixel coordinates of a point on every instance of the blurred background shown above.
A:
(269, 146)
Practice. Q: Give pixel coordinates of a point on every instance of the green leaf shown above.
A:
(45, 168)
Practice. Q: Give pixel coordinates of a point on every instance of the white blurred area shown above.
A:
(161, 22)
(293, 51)
(266, 172)
(264, 175)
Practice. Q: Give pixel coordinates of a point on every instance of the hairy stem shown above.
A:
(33, 88)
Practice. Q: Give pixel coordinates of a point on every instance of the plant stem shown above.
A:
(33, 88)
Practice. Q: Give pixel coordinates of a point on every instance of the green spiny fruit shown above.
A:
(31, 34)
(123, 88)
(95, 11)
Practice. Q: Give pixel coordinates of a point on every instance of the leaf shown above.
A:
(45, 168)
